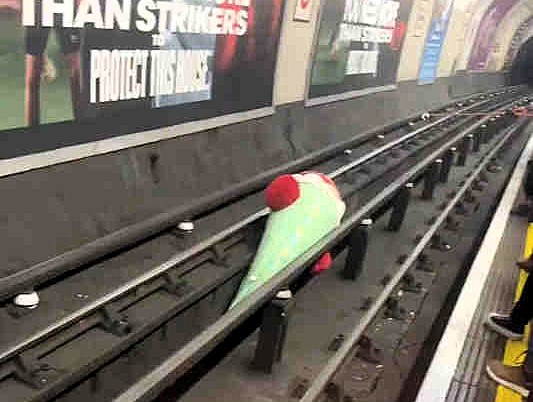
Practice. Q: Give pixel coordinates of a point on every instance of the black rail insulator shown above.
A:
(272, 334)
(476, 144)
(425, 264)
(464, 150)
(483, 134)
(399, 207)
(357, 247)
(430, 179)
(447, 162)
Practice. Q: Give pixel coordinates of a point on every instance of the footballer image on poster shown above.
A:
(112, 66)
(359, 44)
(39, 66)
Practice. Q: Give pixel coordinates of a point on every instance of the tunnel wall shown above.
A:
(521, 34)
(413, 47)
(522, 67)
(51, 210)
(455, 44)
(504, 35)
(474, 12)
(495, 39)
(80, 200)
(295, 50)
(23, 150)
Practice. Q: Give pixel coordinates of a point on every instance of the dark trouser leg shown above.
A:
(34, 65)
(523, 310)
(73, 61)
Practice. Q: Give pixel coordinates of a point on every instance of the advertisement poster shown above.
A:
(112, 66)
(485, 33)
(434, 41)
(358, 45)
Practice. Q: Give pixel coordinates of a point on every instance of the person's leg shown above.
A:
(34, 66)
(519, 378)
(73, 63)
(526, 264)
(49, 73)
(522, 312)
(512, 377)
(35, 43)
(70, 42)
(513, 325)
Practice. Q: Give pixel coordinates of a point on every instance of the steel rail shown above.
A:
(194, 250)
(148, 387)
(339, 357)
(122, 238)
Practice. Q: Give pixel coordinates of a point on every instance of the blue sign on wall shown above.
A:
(434, 41)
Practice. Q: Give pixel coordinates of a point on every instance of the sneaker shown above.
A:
(502, 324)
(508, 376)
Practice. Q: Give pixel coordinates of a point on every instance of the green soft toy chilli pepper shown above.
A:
(304, 208)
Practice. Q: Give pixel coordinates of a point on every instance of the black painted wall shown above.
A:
(52, 210)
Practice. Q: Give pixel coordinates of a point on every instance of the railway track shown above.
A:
(430, 239)
(163, 294)
(333, 322)
(302, 359)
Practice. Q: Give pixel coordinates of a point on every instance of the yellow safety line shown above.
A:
(513, 349)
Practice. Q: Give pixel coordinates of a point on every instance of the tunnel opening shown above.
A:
(522, 67)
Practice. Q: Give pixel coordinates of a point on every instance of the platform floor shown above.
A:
(470, 382)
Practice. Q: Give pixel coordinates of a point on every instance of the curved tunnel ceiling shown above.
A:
(474, 11)
(517, 52)
(486, 33)
(503, 35)
(485, 42)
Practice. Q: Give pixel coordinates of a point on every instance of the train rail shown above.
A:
(31, 354)
(45, 271)
(178, 364)
(321, 381)
(469, 203)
